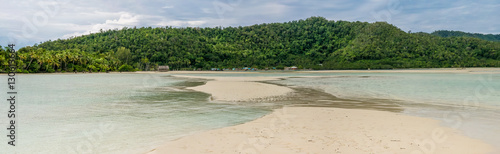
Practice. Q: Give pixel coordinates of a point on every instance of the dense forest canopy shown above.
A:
(447, 33)
(314, 43)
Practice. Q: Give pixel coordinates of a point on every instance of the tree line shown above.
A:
(315, 43)
(447, 33)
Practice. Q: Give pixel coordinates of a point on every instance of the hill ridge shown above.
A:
(314, 42)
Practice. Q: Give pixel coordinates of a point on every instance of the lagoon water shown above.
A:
(111, 113)
(134, 113)
(467, 102)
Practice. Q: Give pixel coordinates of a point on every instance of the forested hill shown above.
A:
(311, 43)
(447, 33)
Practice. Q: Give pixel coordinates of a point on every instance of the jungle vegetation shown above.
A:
(315, 43)
(447, 33)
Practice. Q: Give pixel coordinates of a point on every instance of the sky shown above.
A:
(26, 22)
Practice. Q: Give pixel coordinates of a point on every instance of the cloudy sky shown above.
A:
(26, 22)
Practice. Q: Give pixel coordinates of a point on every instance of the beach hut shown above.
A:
(163, 68)
(293, 68)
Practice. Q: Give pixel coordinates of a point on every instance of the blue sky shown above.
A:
(26, 22)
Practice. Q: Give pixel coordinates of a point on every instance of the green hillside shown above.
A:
(303, 43)
(446, 33)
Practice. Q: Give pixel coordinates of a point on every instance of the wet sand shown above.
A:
(329, 130)
(419, 70)
(240, 88)
(300, 128)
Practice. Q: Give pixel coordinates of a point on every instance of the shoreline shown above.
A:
(360, 130)
(476, 70)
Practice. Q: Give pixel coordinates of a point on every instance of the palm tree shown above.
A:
(33, 55)
(22, 57)
(75, 57)
(57, 60)
(41, 60)
(49, 59)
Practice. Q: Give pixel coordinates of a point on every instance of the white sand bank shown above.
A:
(240, 88)
(318, 130)
(329, 130)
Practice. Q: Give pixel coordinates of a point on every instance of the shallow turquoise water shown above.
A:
(133, 113)
(467, 102)
(430, 88)
(112, 113)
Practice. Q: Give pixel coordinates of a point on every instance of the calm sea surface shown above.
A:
(112, 113)
(134, 113)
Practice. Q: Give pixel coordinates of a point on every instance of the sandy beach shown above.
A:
(317, 129)
(472, 70)
(329, 130)
(240, 88)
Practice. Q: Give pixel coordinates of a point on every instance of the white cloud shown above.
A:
(274, 9)
(179, 23)
(168, 7)
(125, 20)
(78, 17)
